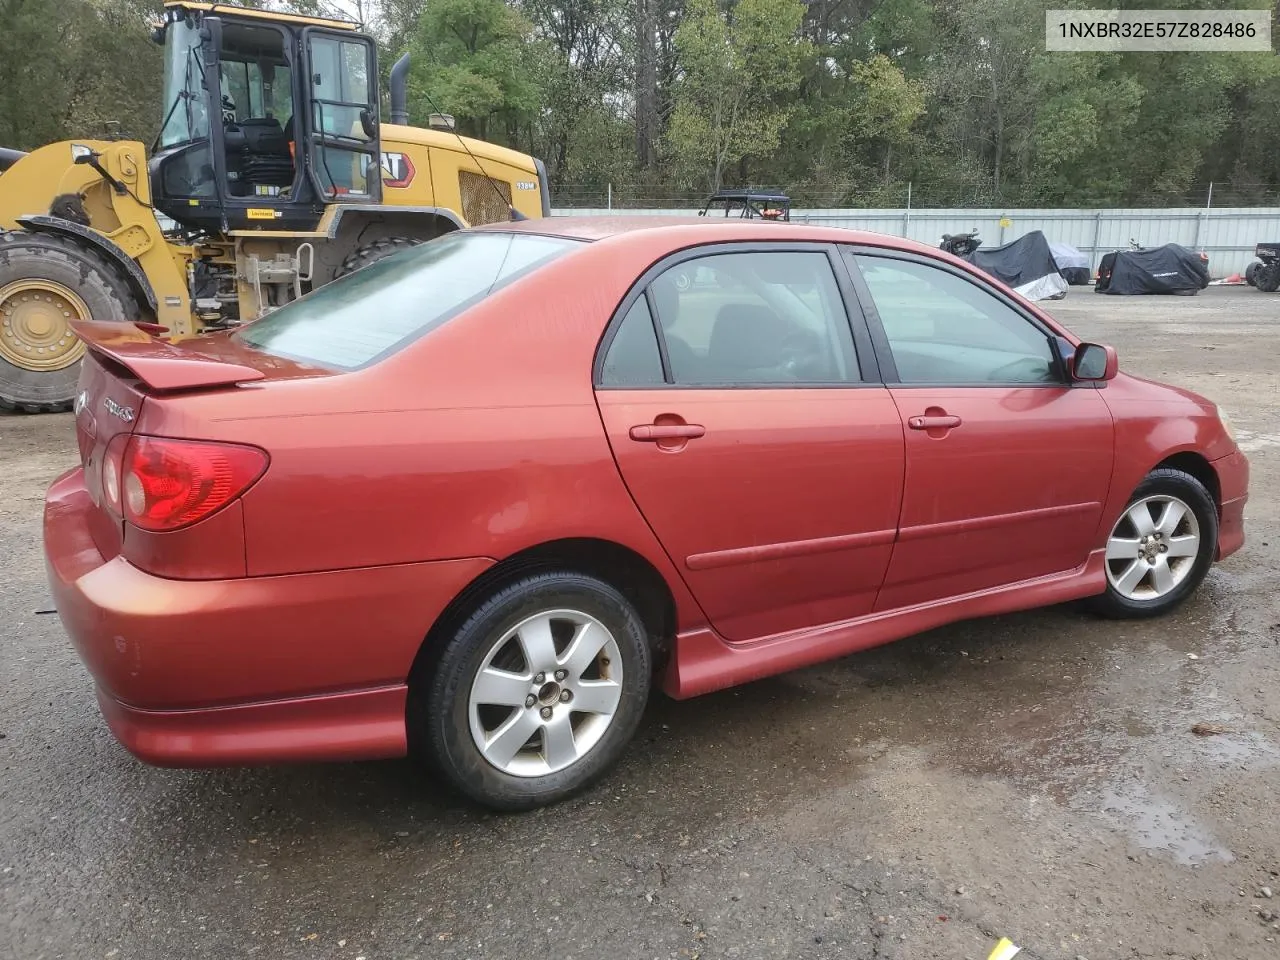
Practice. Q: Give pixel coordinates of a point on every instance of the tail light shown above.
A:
(160, 484)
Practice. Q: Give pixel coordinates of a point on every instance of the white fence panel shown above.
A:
(1226, 234)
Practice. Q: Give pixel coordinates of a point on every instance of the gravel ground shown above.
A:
(1031, 776)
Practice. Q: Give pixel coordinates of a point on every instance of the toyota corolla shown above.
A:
(474, 500)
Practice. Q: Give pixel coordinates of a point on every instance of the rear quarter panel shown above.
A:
(481, 439)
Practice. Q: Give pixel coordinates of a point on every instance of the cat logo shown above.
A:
(397, 170)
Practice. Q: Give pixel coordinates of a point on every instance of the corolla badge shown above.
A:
(115, 409)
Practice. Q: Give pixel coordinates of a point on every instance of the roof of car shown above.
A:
(595, 228)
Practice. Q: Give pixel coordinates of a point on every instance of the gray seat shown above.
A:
(745, 337)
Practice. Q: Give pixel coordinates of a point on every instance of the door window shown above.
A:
(943, 328)
(755, 318)
(342, 86)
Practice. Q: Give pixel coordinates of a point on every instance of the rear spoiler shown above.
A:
(160, 365)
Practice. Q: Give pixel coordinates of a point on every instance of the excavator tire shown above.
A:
(372, 253)
(46, 281)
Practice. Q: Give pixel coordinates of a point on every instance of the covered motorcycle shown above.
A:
(1026, 264)
(1072, 264)
(1169, 269)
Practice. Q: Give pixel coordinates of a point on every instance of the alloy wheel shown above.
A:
(545, 693)
(1153, 548)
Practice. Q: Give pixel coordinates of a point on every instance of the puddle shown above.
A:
(1155, 824)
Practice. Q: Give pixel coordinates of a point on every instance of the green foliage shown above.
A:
(474, 59)
(738, 69)
(836, 101)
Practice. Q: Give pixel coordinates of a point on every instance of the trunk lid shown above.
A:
(125, 369)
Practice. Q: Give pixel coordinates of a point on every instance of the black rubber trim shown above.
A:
(384, 210)
(543, 186)
(9, 157)
(56, 225)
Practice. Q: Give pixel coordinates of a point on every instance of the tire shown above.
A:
(1251, 273)
(72, 279)
(1268, 276)
(1147, 598)
(449, 718)
(372, 253)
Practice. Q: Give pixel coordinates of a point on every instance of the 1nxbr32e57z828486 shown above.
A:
(474, 500)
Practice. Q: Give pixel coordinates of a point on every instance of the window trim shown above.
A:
(868, 369)
(884, 352)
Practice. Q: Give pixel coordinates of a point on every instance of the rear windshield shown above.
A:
(374, 312)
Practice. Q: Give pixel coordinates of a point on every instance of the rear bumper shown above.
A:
(364, 725)
(1233, 480)
(200, 672)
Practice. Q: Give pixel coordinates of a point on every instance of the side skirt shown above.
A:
(703, 662)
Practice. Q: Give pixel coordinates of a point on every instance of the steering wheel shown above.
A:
(801, 356)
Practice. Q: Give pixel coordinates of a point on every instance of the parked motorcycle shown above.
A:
(961, 244)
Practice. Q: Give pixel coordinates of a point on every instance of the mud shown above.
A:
(1033, 776)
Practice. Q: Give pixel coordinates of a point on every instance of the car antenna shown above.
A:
(514, 213)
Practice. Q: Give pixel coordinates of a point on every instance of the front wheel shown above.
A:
(1161, 547)
(537, 694)
(46, 283)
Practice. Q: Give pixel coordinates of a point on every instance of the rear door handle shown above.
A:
(657, 432)
(933, 423)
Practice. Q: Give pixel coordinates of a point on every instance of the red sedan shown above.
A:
(472, 500)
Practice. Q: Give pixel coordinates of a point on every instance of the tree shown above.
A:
(34, 86)
(582, 128)
(737, 70)
(473, 59)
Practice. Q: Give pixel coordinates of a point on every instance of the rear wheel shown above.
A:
(373, 252)
(1251, 273)
(1161, 547)
(538, 692)
(1268, 277)
(45, 283)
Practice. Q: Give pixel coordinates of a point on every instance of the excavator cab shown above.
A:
(268, 119)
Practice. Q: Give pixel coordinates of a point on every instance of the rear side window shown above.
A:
(374, 312)
(633, 359)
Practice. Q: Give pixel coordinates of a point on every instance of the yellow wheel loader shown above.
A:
(271, 175)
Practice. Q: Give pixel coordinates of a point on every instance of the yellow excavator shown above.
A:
(271, 174)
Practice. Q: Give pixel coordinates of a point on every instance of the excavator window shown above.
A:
(186, 118)
(257, 112)
(340, 92)
(185, 129)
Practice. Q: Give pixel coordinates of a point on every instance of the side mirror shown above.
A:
(1093, 361)
(369, 124)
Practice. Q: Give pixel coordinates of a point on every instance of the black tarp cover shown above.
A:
(1167, 269)
(1026, 264)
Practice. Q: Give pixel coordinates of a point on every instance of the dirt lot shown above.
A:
(1033, 776)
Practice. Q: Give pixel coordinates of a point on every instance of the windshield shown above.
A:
(186, 118)
(376, 311)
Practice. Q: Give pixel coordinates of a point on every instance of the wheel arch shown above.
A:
(137, 280)
(354, 226)
(621, 567)
(1197, 465)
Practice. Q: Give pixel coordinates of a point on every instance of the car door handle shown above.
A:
(933, 423)
(657, 432)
